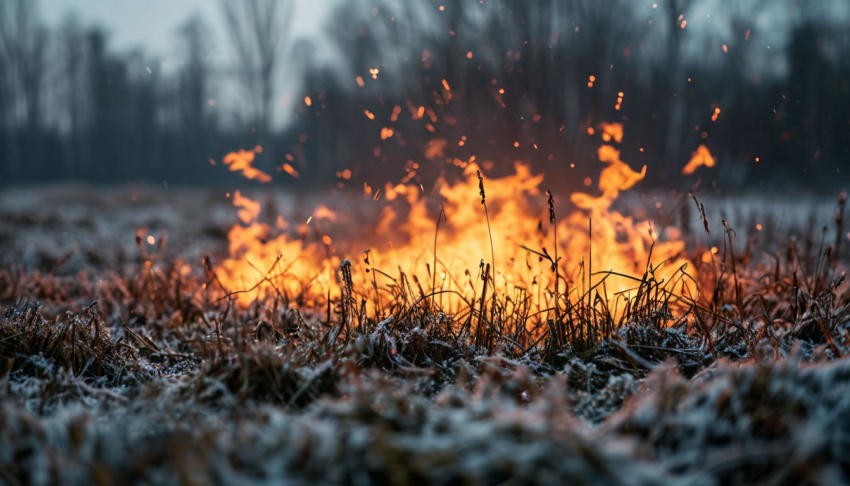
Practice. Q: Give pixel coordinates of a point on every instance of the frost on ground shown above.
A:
(117, 372)
(771, 423)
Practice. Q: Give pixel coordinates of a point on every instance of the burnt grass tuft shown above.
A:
(144, 375)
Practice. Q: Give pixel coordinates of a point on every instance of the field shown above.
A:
(129, 353)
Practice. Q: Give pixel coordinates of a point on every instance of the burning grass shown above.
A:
(628, 354)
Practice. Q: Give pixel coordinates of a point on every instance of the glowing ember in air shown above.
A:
(702, 157)
(715, 114)
(241, 162)
(290, 170)
(611, 131)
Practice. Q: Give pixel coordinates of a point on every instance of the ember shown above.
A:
(424, 242)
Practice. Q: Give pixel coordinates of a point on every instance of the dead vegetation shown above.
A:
(79, 345)
(158, 375)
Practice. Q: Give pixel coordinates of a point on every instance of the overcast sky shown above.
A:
(151, 24)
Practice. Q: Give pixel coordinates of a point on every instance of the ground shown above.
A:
(114, 370)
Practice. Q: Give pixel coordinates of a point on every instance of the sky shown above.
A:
(151, 24)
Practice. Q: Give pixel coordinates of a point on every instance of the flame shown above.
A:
(699, 158)
(619, 243)
(301, 263)
(611, 130)
(249, 210)
(322, 212)
(241, 162)
(290, 170)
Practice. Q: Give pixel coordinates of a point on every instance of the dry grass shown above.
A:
(163, 380)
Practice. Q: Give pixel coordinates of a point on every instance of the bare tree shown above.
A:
(194, 36)
(676, 82)
(256, 29)
(72, 62)
(23, 45)
(195, 41)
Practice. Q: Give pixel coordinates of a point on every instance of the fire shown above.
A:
(699, 158)
(290, 170)
(242, 161)
(442, 243)
(249, 210)
(611, 131)
(619, 243)
(322, 212)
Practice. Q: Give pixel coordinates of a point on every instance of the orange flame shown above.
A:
(249, 210)
(699, 158)
(611, 130)
(302, 263)
(241, 162)
(290, 170)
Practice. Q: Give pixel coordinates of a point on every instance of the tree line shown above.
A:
(414, 90)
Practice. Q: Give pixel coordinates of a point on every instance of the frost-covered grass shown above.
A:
(127, 373)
